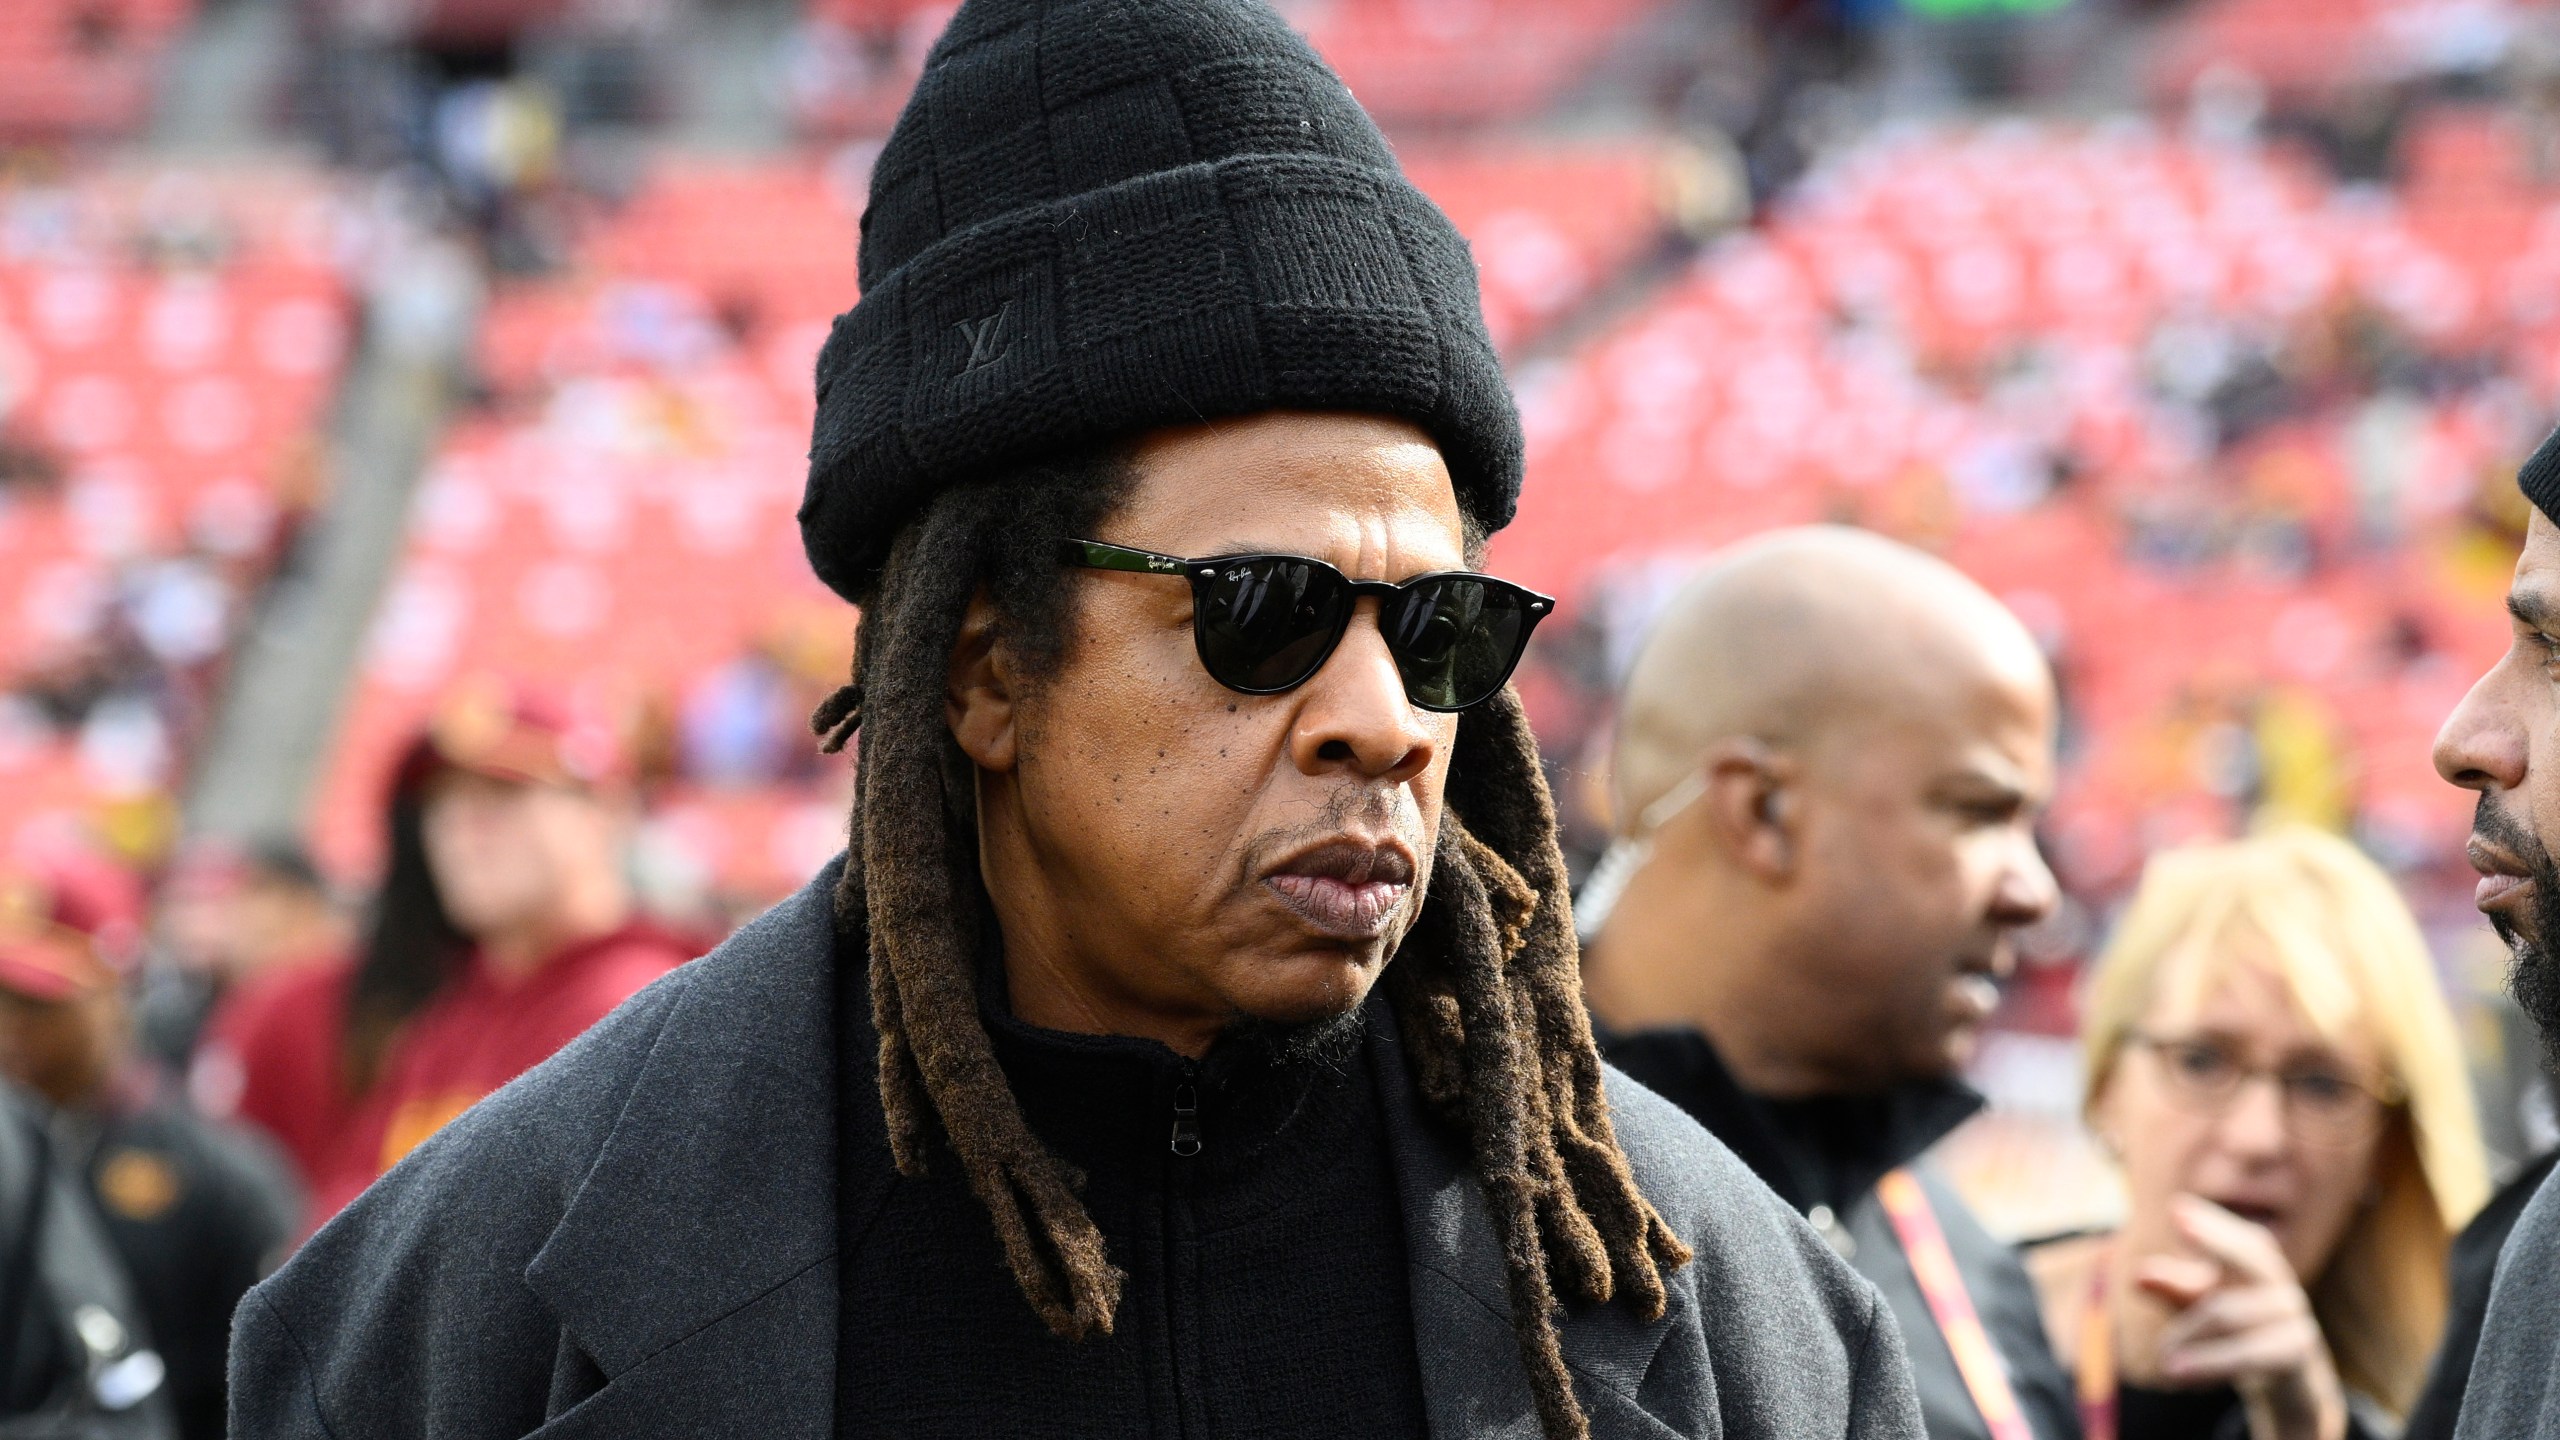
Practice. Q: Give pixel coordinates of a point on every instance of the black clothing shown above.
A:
(1265, 1292)
(2472, 1266)
(2214, 1414)
(2144, 1414)
(1824, 1156)
(1099, 217)
(640, 1240)
(199, 1214)
(75, 1357)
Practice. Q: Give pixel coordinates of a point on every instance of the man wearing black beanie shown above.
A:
(1190, 1042)
(2503, 741)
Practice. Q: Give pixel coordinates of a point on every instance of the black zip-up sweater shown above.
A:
(1249, 1199)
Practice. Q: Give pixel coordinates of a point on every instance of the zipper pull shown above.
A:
(1186, 1121)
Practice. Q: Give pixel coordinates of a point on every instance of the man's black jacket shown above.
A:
(1830, 1153)
(638, 1239)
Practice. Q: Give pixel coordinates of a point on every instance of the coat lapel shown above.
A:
(1473, 1383)
(696, 1263)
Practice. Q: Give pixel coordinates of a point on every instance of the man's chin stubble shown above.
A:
(1325, 1041)
(2533, 974)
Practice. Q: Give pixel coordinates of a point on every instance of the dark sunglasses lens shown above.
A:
(1455, 639)
(1266, 624)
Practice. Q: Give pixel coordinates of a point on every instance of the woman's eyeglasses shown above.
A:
(1265, 623)
(2324, 1105)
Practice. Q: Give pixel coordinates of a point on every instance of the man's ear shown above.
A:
(1751, 803)
(979, 699)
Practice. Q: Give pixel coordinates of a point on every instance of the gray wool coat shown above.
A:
(638, 1240)
(2515, 1376)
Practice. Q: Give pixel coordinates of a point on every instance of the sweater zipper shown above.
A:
(1180, 1324)
(1186, 1118)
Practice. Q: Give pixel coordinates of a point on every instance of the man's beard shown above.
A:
(1328, 1043)
(2533, 976)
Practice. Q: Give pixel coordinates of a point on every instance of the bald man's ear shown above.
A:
(1750, 802)
(979, 700)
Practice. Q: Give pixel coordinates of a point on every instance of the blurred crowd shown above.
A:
(228, 1055)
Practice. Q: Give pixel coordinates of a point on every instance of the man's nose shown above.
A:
(2481, 747)
(2027, 891)
(1356, 715)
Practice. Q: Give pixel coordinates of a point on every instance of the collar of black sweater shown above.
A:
(1824, 1151)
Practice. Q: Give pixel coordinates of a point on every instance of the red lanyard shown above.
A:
(1924, 1244)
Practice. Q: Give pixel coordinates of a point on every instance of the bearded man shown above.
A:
(1190, 1042)
(2503, 741)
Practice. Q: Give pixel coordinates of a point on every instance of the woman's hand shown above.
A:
(2243, 1321)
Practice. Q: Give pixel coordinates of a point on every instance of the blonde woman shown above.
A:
(2272, 1063)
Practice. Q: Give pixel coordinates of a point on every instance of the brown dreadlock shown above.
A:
(1485, 986)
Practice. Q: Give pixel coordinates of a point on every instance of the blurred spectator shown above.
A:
(505, 926)
(1831, 754)
(197, 1214)
(2285, 1242)
(74, 1358)
(229, 912)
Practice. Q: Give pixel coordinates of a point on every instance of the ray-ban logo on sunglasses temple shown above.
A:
(1265, 623)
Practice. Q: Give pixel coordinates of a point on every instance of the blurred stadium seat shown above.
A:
(2026, 345)
(167, 346)
(82, 68)
(1444, 61)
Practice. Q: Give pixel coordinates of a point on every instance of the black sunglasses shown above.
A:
(1265, 623)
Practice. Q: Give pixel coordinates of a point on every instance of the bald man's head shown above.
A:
(1845, 744)
(1804, 635)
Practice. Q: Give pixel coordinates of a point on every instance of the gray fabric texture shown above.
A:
(2515, 1376)
(1095, 218)
(638, 1238)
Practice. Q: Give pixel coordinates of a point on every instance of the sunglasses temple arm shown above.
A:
(1095, 555)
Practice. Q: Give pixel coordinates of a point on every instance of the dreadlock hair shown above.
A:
(1485, 987)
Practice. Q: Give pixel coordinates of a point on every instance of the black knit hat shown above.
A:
(1098, 217)
(2540, 478)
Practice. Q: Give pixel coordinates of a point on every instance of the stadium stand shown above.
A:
(616, 517)
(2309, 47)
(83, 68)
(2219, 430)
(167, 346)
(1424, 63)
(1440, 62)
(1550, 222)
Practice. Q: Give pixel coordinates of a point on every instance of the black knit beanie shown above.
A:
(2540, 478)
(1099, 217)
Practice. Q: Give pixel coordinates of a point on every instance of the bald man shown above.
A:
(1831, 754)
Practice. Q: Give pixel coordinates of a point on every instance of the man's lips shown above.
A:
(2502, 876)
(1976, 996)
(1347, 888)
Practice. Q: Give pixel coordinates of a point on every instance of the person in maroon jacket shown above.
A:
(506, 925)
